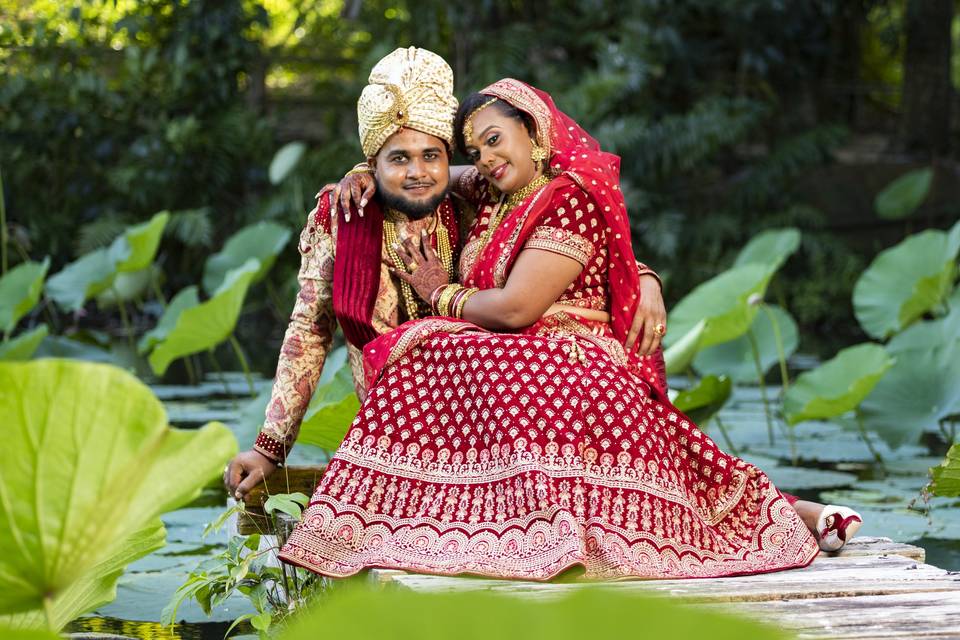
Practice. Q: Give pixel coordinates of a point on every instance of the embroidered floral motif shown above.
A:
(562, 241)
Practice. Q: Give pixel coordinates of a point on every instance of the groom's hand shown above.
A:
(650, 312)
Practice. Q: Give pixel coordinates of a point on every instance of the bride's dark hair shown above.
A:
(473, 102)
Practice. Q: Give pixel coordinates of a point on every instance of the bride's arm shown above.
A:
(537, 280)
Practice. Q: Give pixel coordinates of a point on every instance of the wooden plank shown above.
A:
(286, 480)
(876, 546)
(906, 615)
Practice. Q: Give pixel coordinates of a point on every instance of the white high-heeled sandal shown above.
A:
(836, 526)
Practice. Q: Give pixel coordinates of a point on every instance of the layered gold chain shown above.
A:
(508, 204)
(391, 236)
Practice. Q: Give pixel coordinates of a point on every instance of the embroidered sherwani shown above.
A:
(309, 335)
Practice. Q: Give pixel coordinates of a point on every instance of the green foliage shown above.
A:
(946, 476)
(184, 299)
(205, 325)
(92, 466)
(23, 346)
(705, 400)
(590, 611)
(680, 354)
(725, 302)
(20, 291)
(771, 247)
(903, 196)
(333, 406)
(291, 504)
(906, 281)
(838, 385)
(263, 241)
(736, 358)
(285, 161)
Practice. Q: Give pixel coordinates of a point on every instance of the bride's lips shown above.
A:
(497, 172)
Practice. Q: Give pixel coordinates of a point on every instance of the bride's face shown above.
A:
(500, 150)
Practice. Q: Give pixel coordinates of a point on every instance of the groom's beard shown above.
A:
(413, 209)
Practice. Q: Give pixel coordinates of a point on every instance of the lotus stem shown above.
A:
(48, 611)
(124, 319)
(781, 354)
(866, 440)
(191, 374)
(755, 349)
(3, 229)
(237, 349)
(726, 436)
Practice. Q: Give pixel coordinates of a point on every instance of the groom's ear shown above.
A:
(372, 162)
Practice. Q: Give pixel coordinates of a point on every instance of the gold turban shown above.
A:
(409, 88)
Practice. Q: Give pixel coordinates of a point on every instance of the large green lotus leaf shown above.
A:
(904, 195)
(128, 286)
(208, 324)
(921, 389)
(332, 409)
(185, 299)
(20, 290)
(946, 477)
(82, 279)
(928, 333)
(23, 346)
(627, 610)
(735, 358)
(722, 302)
(681, 353)
(771, 247)
(285, 161)
(8, 633)
(838, 385)
(703, 401)
(91, 465)
(263, 241)
(136, 248)
(904, 282)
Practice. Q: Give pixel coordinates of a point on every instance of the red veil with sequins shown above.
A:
(521, 455)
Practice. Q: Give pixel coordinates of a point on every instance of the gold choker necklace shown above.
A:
(508, 204)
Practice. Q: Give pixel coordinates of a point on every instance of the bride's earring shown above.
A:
(537, 153)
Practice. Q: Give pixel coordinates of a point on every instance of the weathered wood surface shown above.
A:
(875, 588)
(287, 480)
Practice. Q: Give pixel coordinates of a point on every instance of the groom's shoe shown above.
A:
(836, 526)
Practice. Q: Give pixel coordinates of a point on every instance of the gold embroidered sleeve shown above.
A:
(305, 344)
(562, 241)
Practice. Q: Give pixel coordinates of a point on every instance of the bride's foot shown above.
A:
(836, 526)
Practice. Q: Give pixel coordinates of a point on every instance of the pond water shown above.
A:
(834, 466)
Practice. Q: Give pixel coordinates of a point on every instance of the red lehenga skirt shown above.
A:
(522, 455)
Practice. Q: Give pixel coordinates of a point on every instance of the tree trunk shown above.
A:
(927, 90)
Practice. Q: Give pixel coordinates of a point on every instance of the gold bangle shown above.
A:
(462, 301)
(360, 167)
(443, 304)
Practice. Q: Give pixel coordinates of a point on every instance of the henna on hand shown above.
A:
(428, 270)
(355, 188)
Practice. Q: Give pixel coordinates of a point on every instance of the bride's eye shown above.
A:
(492, 140)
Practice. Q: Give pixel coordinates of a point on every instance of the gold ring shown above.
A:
(659, 329)
(412, 267)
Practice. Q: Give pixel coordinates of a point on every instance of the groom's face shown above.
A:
(412, 171)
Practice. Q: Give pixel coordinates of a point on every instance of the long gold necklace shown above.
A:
(508, 204)
(444, 251)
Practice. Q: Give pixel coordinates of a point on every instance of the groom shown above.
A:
(405, 118)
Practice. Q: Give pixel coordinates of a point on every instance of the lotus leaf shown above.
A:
(904, 195)
(928, 333)
(736, 358)
(723, 303)
(82, 279)
(263, 241)
(28, 634)
(185, 298)
(91, 466)
(946, 477)
(586, 612)
(285, 161)
(771, 247)
(137, 247)
(906, 281)
(20, 290)
(23, 346)
(332, 409)
(681, 353)
(838, 385)
(703, 402)
(128, 286)
(921, 389)
(206, 325)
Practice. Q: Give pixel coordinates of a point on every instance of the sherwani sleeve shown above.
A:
(307, 340)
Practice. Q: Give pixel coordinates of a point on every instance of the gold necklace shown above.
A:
(508, 204)
(444, 252)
